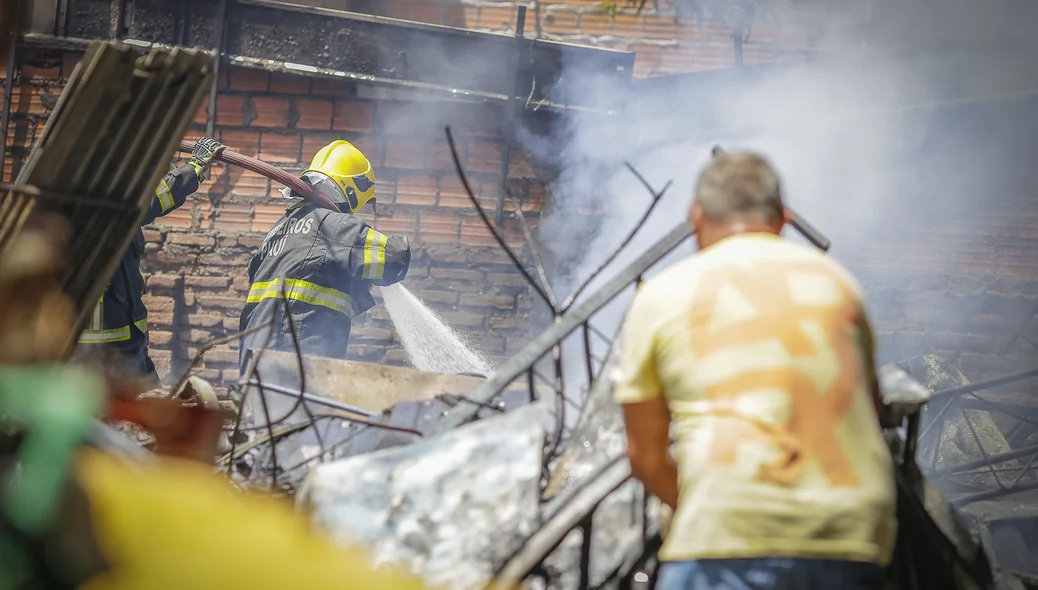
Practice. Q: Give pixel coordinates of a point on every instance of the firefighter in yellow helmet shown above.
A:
(324, 262)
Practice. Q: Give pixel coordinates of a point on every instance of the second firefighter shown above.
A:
(323, 262)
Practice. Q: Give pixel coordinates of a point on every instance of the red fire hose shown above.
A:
(272, 172)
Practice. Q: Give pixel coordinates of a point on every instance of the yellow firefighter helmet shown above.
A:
(349, 169)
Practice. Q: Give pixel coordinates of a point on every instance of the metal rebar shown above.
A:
(985, 384)
(494, 230)
(656, 197)
(571, 320)
(535, 255)
(288, 391)
(511, 114)
(12, 61)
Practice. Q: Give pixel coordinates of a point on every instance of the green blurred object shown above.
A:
(50, 409)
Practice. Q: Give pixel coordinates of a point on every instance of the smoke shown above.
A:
(872, 140)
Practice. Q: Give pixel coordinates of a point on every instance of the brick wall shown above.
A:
(665, 39)
(959, 289)
(197, 257)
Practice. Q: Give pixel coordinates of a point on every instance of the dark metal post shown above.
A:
(12, 61)
(221, 32)
(511, 114)
(737, 36)
(118, 16)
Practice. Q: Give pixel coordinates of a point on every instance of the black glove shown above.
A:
(202, 156)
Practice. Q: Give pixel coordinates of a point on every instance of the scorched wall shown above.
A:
(197, 257)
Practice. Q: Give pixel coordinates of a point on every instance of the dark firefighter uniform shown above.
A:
(119, 324)
(323, 262)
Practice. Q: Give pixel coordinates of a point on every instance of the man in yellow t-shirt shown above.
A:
(756, 356)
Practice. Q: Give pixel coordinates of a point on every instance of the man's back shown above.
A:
(758, 346)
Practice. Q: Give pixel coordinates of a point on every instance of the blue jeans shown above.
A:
(771, 573)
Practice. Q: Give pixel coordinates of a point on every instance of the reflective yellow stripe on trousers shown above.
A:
(374, 255)
(305, 291)
(94, 334)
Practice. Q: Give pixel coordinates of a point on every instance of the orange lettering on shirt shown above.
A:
(811, 430)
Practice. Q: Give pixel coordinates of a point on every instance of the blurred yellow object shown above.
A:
(177, 525)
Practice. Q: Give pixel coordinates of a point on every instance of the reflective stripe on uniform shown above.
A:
(165, 196)
(142, 325)
(103, 336)
(304, 291)
(374, 255)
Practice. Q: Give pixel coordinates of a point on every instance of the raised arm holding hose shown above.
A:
(118, 327)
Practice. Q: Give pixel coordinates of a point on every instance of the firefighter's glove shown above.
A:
(206, 150)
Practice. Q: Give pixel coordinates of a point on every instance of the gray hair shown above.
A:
(740, 185)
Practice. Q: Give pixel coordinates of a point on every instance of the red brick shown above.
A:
(159, 337)
(430, 296)
(279, 147)
(271, 111)
(69, 60)
(244, 183)
(373, 148)
(159, 304)
(428, 12)
(354, 115)
(398, 9)
(503, 302)
(163, 281)
(453, 194)
(225, 303)
(626, 25)
(475, 233)
(244, 142)
(438, 227)
(251, 242)
(401, 222)
(405, 153)
(265, 215)
(179, 218)
(238, 260)
(439, 160)
(289, 83)
(314, 113)
(152, 236)
(500, 18)
(507, 279)
(221, 282)
(229, 110)
(41, 64)
(202, 114)
(204, 320)
(229, 375)
(190, 239)
(416, 190)
(460, 274)
(483, 156)
(559, 22)
(463, 320)
(248, 79)
(220, 355)
(233, 217)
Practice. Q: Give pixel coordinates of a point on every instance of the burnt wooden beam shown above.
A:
(378, 50)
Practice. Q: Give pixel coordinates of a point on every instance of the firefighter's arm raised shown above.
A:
(179, 183)
(379, 258)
